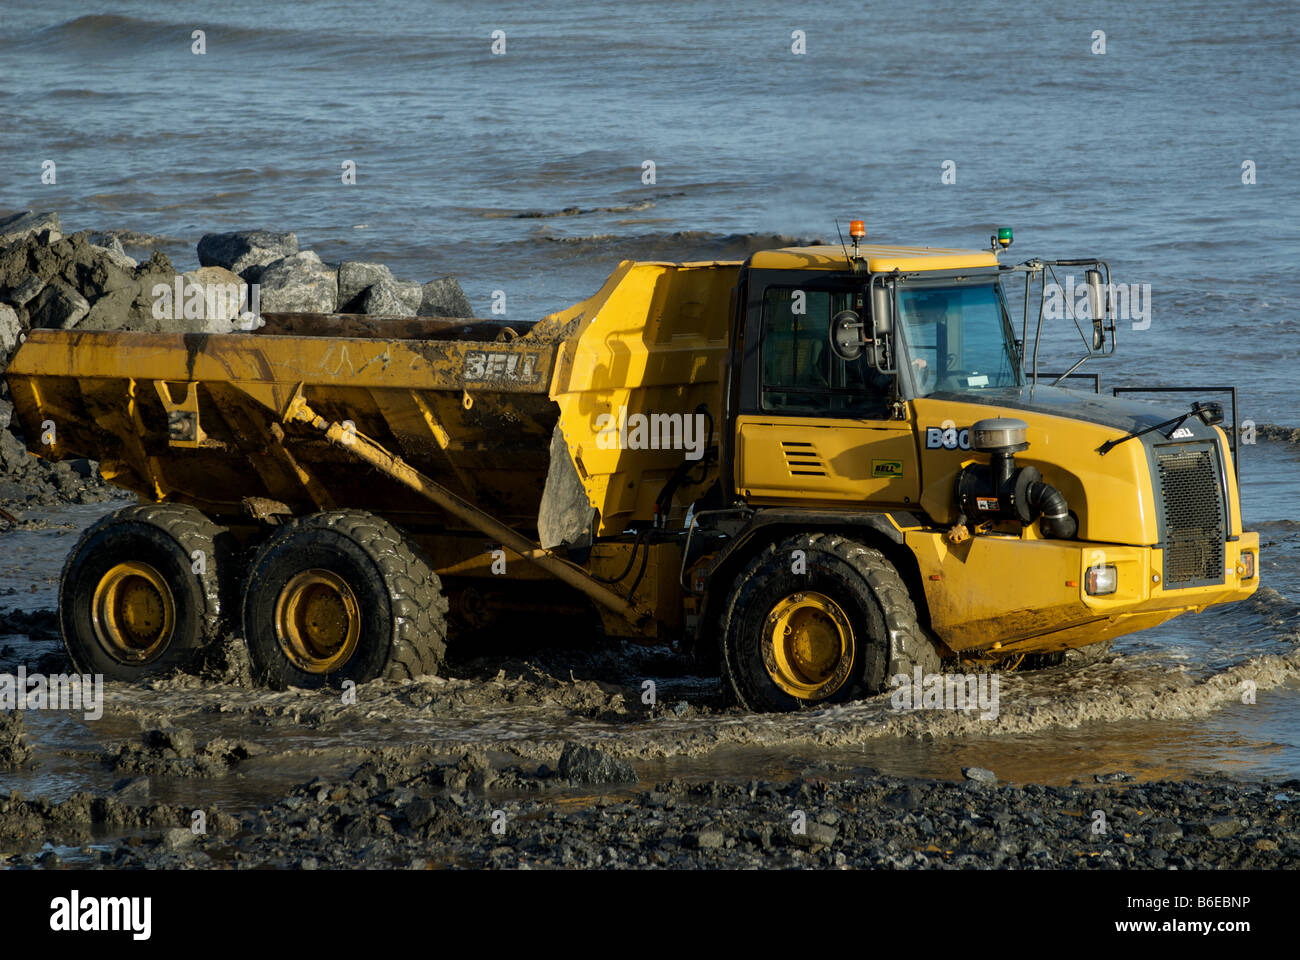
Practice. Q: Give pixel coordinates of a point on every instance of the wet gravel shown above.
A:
(400, 812)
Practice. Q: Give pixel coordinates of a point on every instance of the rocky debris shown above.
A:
(1119, 776)
(176, 838)
(14, 749)
(86, 281)
(29, 481)
(11, 331)
(391, 298)
(113, 250)
(444, 298)
(71, 282)
(979, 774)
(299, 284)
(395, 813)
(171, 751)
(133, 790)
(579, 764)
(26, 291)
(246, 252)
(354, 277)
(26, 224)
(126, 238)
(58, 306)
(1219, 827)
(80, 819)
(37, 624)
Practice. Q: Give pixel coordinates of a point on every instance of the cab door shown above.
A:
(817, 428)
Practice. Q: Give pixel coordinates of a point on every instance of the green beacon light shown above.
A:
(1004, 237)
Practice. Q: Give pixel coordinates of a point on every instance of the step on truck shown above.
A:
(816, 469)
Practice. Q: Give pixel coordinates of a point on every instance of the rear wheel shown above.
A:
(142, 591)
(341, 596)
(819, 619)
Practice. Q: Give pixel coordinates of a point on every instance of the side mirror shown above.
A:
(1209, 413)
(1097, 308)
(882, 311)
(847, 340)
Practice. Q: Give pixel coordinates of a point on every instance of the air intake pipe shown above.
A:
(1000, 491)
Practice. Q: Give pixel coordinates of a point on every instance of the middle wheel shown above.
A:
(342, 596)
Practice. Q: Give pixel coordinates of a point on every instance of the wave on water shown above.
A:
(635, 206)
(117, 33)
(100, 30)
(1277, 433)
(677, 246)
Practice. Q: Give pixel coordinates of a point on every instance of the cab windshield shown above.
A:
(958, 337)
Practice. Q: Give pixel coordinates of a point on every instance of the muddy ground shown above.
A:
(552, 759)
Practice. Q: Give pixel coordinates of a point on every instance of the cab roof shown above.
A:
(878, 258)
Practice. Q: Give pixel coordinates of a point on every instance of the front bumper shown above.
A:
(999, 595)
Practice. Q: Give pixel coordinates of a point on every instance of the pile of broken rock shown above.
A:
(86, 281)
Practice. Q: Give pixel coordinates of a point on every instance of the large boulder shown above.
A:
(114, 252)
(444, 298)
(111, 311)
(299, 284)
(14, 457)
(354, 277)
(147, 304)
(59, 307)
(93, 270)
(218, 304)
(579, 764)
(26, 291)
(27, 223)
(246, 252)
(10, 330)
(391, 298)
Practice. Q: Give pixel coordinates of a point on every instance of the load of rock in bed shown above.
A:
(87, 281)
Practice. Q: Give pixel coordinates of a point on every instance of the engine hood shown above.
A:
(1123, 414)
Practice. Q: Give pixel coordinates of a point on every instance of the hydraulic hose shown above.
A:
(1053, 509)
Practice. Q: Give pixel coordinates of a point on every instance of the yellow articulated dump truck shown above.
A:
(818, 469)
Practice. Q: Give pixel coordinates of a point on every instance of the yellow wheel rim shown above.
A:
(133, 612)
(317, 621)
(808, 646)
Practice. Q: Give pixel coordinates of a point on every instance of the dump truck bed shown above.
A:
(201, 419)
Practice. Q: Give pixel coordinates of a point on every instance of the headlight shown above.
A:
(1101, 580)
(1246, 566)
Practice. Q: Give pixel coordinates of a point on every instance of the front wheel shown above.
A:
(819, 619)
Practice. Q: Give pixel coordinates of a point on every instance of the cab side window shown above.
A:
(800, 373)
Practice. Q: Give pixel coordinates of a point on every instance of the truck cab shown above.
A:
(882, 399)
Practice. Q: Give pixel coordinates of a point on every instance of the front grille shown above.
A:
(1193, 517)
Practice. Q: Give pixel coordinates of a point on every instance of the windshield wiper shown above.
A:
(1208, 413)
